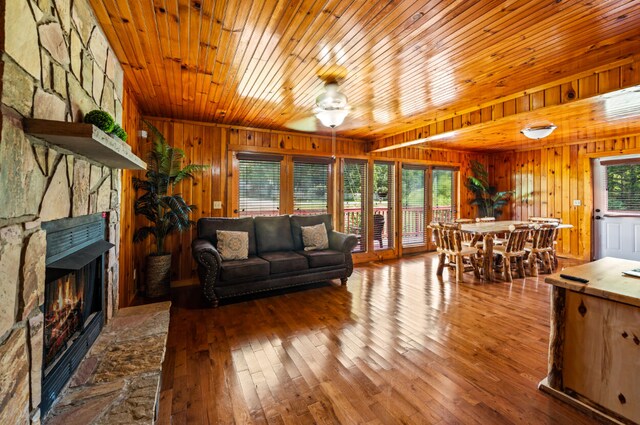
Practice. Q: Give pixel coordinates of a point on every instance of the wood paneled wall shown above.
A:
(131, 122)
(210, 144)
(547, 181)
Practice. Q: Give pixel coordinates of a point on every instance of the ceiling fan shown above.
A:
(331, 108)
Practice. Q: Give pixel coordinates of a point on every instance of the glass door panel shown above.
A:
(413, 206)
(383, 205)
(354, 202)
(443, 191)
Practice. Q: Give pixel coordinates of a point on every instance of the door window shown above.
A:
(413, 205)
(384, 184)
(354, 184)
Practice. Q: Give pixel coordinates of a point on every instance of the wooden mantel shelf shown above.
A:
(86, 140)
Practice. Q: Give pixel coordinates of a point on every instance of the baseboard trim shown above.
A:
(589, 410)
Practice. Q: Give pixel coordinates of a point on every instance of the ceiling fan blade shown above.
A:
(352, 123)
(308, 124)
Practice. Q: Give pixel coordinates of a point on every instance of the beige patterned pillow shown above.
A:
(315, 237)
(233, 245)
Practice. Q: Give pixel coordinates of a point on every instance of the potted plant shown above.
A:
(105, 122)
(487, 197)
(166, 211)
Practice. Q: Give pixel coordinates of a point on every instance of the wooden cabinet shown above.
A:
(594, 357)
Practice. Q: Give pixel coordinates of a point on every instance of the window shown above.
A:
(443, 192)
(384, 185)
(413, 205)
(354, 184)
(310, 186)
(623, 186)
(259, 181)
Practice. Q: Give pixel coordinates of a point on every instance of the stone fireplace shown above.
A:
(57, 65)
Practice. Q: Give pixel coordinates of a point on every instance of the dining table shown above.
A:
(487, 230)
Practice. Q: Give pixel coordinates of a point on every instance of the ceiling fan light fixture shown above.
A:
(539, 132)
(331, 98)
(331, 106)
(331, 117)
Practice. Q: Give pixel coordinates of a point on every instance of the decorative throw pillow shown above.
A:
(233, 245)
(315, 237)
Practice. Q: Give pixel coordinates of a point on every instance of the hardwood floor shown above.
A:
(397, 345)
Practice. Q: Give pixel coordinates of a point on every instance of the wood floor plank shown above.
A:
(397, 345)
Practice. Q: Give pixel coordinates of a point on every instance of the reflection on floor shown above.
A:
(397, 345)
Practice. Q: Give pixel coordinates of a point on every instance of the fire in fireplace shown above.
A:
(63, 318)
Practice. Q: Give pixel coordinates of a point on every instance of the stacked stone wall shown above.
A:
(57, 65)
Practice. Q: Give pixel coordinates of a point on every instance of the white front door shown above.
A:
(616, 219)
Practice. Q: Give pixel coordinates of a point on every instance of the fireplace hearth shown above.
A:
(74, 298)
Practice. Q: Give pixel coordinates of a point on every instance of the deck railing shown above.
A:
(413, 220)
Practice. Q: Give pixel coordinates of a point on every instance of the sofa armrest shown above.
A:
(209, 261)
(342, 241)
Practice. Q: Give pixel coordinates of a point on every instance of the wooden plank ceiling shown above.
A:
(406, 63)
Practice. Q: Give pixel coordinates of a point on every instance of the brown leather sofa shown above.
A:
(277, 258)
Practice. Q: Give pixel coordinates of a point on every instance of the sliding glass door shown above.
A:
(413, 201)
(428, 194)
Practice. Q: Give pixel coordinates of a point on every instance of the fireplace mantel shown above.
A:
(86, 140)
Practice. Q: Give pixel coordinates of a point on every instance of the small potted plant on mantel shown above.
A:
(166, 211)
(105, 122)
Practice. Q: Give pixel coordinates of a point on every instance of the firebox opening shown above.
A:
(71, 300)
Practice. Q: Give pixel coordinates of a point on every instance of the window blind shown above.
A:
(354, 184)
(310, 187)
(259, 187)
(384, 186)
(623, 186)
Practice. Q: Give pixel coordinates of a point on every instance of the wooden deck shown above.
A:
(396, 345)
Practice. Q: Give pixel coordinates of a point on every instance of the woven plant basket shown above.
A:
(158, 275)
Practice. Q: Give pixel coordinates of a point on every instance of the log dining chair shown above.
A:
(557, 221)
(540, 249)
(467, 238)
(513, 249)
(448, 239)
